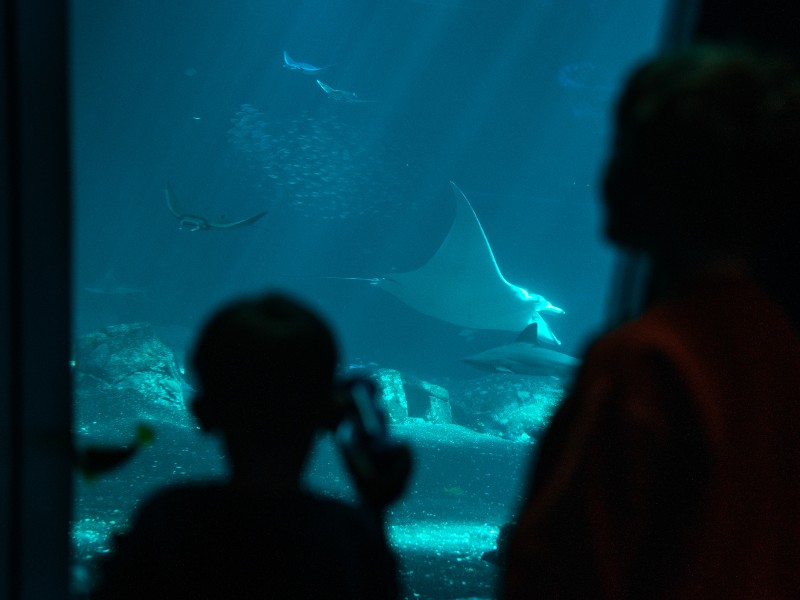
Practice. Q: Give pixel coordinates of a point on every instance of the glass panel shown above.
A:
(345, 122)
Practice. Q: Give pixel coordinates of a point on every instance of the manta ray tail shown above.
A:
(371, 280)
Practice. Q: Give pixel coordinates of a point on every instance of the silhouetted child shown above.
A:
(266, 372)
(673, 468)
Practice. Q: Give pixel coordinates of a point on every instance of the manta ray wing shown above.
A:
(242, 223)
(172, 202)
(462, 284)
(340, 95)
(326, 88)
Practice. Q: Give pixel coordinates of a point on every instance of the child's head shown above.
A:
(266, 365)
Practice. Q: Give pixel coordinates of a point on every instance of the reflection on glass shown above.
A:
(309, 147)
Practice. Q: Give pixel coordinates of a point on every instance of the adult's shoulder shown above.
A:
(706, 312)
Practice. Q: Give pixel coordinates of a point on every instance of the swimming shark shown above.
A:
(192, 222)
(525, 357)
(289, 63)
(340, 95)
(110, 286)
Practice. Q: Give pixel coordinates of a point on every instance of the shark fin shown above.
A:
(530, 334)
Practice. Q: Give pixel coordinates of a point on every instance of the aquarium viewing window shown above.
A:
(424, 174)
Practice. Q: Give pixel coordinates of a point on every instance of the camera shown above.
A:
(379, 465)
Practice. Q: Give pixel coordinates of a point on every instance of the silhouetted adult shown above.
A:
(672, 470)
(266, 373)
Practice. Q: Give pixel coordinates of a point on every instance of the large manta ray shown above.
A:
(192, 222)
(462, 284)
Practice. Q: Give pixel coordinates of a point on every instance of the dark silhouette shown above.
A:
(672, 470)
(266, 372)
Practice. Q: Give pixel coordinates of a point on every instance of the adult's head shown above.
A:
(706, 154)
(266, 369)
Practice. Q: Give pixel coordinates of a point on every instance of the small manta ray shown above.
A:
(340, 95)
(289, 63)
(196, 222)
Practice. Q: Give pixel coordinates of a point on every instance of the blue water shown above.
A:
(509, 99)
